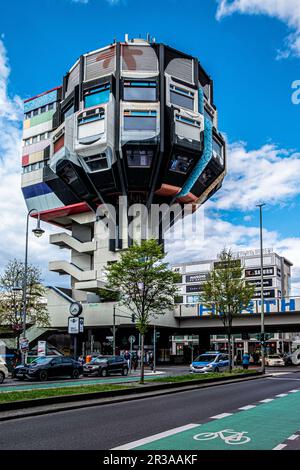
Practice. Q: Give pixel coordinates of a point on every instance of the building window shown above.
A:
(69, 111)
(139, 158)
(140, 120)
(97, 162)
(207, 115)
(181, 163)
(97, 95)
(182, 97)
(218, 152)
(35, 112)
(28, 115)
(190, 122)
(35, 139)
(43, 109)
(50, 106)
(139, 91)
(89, 119)
(33, 167)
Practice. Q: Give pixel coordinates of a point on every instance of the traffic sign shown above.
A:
(131, 339)
(24, 344)
(73, 325)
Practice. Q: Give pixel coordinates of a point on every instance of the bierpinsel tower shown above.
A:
(133, 119)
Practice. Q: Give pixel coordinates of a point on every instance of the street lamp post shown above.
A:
(262, 316)
(38, 232)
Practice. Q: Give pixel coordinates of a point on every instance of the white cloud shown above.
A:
(287, 11)
(268, 174)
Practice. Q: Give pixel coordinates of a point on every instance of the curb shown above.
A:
(41, 406)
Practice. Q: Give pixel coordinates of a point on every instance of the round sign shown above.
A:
(131, 339)
(75, 309)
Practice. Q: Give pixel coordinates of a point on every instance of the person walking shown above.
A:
(81, 360)
(127, 357)
(135, 362)
(151, 361)
(246, 360)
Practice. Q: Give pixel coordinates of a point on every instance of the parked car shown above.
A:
(3, 371)
(106, 365)
(44, 368)
(210, 362)
(274, 360)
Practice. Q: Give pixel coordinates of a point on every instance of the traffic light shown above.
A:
(157, 334)
(133, 318)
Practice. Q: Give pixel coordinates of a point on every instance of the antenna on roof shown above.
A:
(148, 37)
(126, 37)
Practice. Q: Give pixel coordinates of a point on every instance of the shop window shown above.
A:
(182, 97)
(139, 91)
(139, 158)
(140, 120)
(97, 95)
(181, 164)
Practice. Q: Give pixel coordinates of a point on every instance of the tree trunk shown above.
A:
(229, 349)
(142, 358)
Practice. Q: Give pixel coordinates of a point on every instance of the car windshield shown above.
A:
(205, 358)
(41, 360)
(274, 356)
(97, 360)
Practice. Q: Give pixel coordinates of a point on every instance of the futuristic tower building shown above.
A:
(133, 119)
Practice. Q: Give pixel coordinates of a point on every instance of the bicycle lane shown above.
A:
(264, 426)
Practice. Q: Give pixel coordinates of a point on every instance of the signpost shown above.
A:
(75, 324)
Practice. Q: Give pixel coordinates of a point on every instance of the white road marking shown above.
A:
(279, 373)
(280, 447)
(156, 437)
(222, 415)
(282, 395)
(293, 437)
(267, 400)
(294, 391)
(282, 378)
(248, 407)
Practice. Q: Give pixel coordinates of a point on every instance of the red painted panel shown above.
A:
(25, 160)
(59, 143)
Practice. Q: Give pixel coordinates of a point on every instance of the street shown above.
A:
(270, 419)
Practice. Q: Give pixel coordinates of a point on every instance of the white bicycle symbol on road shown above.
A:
(229, 436)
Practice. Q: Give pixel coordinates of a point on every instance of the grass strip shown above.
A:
(209, 375)
(8, 397)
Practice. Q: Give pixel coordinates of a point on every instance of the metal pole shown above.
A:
(25, 283)
(75, 347)
(154, 349)
(262, 316)
(114, 330)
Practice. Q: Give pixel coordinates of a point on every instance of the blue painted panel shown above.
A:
(40, 101)
(200, 166)
(34, 190)
(201, 101)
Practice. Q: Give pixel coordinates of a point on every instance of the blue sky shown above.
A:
(250, 48)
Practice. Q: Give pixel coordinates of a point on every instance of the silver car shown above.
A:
(3, 371)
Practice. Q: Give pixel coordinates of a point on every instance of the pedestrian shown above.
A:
(135, 362)
(246, 360)
(127, 357)
(81, 360)
(151, 361)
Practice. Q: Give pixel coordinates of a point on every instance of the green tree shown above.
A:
(11, 297)
(226, 292)
(145, 284)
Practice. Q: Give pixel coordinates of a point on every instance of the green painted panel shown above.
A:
(40, 118)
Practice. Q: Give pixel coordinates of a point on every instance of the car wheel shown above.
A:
(125, 371)
(43, 376)
(103, 373)
(75, 374)
(216, 369)
(2, 377)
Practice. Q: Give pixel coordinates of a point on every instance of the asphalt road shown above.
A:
(110, 426)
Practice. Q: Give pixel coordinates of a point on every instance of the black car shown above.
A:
(105, 365)
(44, 368)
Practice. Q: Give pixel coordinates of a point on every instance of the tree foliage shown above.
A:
(146, 285)
(226, 292)
(11, 297)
